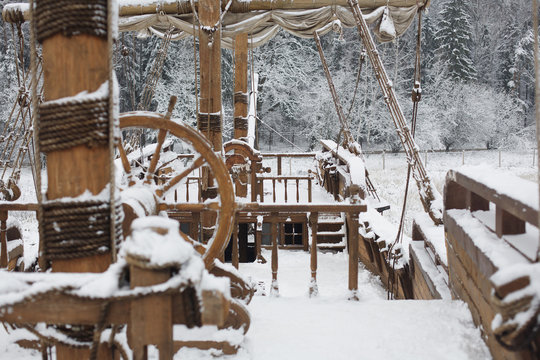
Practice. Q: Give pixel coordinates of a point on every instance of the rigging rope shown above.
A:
(416, 96)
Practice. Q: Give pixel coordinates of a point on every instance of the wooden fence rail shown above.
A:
(285, 180)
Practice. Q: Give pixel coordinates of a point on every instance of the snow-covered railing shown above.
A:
(11, 248)
(505, 204)
(290, 156)
(492, 238)
(284, 180)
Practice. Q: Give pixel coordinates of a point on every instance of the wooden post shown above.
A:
(240, 85)
(3, 239)
(309, 190)
(151, 317)
(274, 290)
(313, 222)
(285, 188)
(258, 241)
(235, 255)
(194, 230)
(279, 164)
(353, 255)
(209, 120)
(274, 189)
(71, 65)
(210, 55)
(507, 224)
(297, 190)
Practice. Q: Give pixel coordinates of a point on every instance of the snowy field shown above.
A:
(293, 326)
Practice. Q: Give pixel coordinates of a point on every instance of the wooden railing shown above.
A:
(491, 226)
(5, 208)
(514, 206)
(280, 157)
(271, 214)
(285, 181)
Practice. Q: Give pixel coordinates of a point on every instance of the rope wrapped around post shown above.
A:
(70, 17)
(78, 228)
(240, 122)
(209, 122)
(240, 97)
(75, 121)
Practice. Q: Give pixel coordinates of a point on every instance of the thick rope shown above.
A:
(416, 96)
(64, 124)
(78, 229)
(70, 17)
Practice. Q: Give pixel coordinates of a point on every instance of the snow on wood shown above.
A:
(497, 250)
(503, 184)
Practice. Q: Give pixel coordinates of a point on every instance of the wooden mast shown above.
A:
(76, 59)
(240, 85)
(72, 65)
(209, 119)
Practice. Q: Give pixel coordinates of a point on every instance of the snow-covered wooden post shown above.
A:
(313, 222)
(74, 131)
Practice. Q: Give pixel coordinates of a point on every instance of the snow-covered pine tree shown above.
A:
(454, 39)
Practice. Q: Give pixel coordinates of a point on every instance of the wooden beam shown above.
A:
(21, 11)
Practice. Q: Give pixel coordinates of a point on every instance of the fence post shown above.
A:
(313, 289)
(274, 289)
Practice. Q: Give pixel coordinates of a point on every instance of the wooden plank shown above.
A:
(481, 310)
(515, 207)
(9, 206)
(423, 285)
(237, 6)
(269, 208)
(352, 224)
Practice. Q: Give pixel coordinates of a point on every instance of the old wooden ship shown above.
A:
(158, 232)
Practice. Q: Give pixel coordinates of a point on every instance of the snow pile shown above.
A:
(158, 240)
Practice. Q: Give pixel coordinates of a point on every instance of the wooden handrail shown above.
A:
(463, 190)
(515, 204)
(285, 179)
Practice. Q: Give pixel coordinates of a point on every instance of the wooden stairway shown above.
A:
(331, 233)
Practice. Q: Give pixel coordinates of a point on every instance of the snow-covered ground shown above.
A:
(294, 326)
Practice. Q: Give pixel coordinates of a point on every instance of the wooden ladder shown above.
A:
(428, 192)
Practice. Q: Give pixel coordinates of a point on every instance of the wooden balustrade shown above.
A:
(280, 157)
(5, 208)
(488, 220)
(285, 181)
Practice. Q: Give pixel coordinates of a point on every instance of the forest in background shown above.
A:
(477, 80)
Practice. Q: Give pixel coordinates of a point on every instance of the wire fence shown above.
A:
(494, 157)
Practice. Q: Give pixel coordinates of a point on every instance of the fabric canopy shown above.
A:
(390, 22)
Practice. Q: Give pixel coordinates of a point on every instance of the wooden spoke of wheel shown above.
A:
(162, 134)
(175, 180)
(225, 208)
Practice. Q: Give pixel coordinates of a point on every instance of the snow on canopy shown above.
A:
(262, 25)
